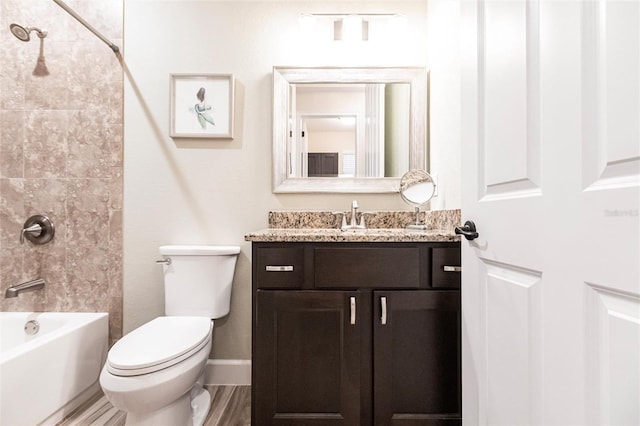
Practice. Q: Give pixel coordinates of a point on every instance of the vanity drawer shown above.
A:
(446, 269)
(279, 267)
(367, 267)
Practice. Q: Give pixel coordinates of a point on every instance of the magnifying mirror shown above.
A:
(416, 188)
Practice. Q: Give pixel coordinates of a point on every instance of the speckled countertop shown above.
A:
(314, 226)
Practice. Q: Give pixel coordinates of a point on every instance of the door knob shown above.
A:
(468, 230)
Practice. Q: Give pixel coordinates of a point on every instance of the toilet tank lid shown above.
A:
(198, 250)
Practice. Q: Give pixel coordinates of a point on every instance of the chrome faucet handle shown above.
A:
(362, 222)
(343, 224)
(38, 229)
(35, 230)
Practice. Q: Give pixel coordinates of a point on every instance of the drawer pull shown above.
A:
(352, 304)
(279, 268)
(452, 268)
(383, 316)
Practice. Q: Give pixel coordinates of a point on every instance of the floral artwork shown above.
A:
(202, 106)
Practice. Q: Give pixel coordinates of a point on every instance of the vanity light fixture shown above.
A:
(352, 26)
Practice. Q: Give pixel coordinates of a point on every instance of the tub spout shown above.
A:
(32, 285)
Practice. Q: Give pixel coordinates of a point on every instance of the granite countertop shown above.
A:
(381, 227)
(358, 235)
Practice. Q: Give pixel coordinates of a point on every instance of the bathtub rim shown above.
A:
(89, 317)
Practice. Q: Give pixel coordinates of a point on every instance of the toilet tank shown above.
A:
(197, 281)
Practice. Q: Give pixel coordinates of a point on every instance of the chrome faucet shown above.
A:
(353, 222)
(32, 285)
(354, 210)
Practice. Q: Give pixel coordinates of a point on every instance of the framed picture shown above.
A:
(202, 106)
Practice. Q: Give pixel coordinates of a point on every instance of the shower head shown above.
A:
(22, 33)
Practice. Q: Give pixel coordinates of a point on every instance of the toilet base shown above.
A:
(174, 414)
(200, 405)
(190, 409)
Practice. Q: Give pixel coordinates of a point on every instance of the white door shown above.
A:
(551, 178)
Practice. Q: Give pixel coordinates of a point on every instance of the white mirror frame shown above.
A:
(417, 77)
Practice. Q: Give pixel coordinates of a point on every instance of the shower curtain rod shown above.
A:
(87, 25)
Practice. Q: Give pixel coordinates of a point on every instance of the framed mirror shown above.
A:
(349, 130)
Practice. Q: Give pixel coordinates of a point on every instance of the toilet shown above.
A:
(156, 372)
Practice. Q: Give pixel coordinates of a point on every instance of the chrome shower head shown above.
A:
(22, 33)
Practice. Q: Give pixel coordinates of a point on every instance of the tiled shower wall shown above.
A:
(61, 140)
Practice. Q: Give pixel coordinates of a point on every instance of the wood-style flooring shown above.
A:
(230, 406)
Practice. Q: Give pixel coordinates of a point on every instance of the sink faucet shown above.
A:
(32, 285)
(354, 210)
(353, 222)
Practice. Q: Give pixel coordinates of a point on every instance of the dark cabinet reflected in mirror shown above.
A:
(348, 129)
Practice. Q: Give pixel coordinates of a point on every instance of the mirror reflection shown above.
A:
(348, 129)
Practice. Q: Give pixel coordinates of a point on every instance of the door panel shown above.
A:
(611, 111)
(613, 349)
(508, 75)
(513, 311)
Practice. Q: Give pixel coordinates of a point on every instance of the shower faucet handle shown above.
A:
(34, 230)
(38, 229)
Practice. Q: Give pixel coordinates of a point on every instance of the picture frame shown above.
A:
(202, 106)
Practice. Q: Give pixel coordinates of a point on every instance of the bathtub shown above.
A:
(44, 376)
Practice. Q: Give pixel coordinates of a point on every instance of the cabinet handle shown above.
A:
(383, 316)
(352, 303)
(284, 268)
(452, 268)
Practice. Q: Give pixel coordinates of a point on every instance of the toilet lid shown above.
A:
(158, 344)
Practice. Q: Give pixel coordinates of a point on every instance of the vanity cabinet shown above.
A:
(322, 164)
(356, 334)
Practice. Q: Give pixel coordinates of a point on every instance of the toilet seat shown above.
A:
(158, 344)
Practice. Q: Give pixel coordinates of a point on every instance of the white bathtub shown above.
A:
(46, 375)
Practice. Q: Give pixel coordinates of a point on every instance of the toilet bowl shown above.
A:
(152, 372)
(155, 373)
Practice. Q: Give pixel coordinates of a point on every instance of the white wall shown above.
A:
(216, 191)
(444, 118)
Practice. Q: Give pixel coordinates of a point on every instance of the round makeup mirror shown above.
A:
(416, 188)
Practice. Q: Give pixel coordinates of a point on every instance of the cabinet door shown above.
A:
(322, 164)
(416, 347)
(307, 358)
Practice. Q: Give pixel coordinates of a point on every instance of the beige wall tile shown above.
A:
(61, 145)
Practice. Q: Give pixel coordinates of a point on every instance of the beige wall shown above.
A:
(216, 191)
(61, 155)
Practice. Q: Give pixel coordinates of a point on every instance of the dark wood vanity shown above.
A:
(356, 333)
(322, 164)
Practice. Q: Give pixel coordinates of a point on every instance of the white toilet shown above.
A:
(155, 373)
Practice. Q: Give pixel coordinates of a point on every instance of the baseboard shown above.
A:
(228, 372)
